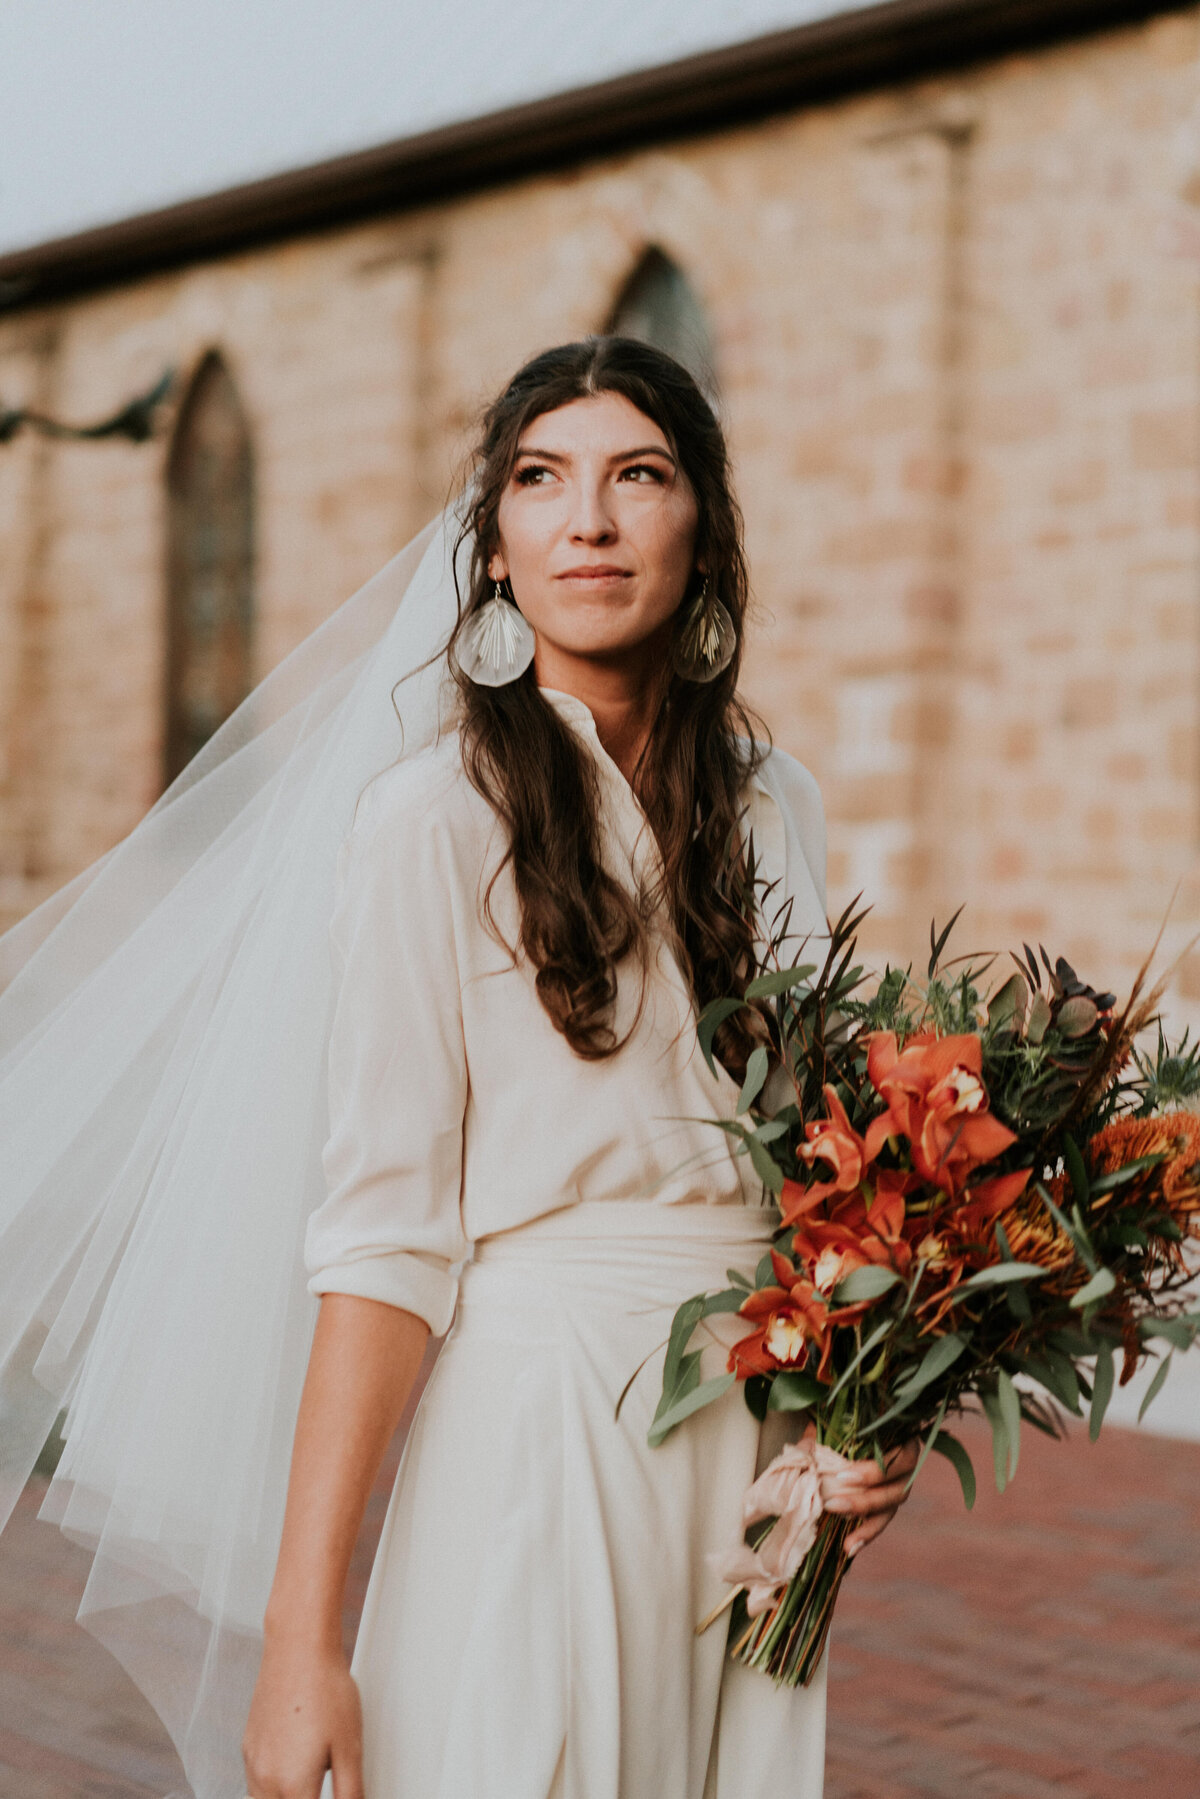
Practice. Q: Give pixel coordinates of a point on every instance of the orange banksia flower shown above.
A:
(1034, 1236)
(1173, 1183)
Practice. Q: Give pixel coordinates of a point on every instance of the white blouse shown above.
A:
(456, 1108)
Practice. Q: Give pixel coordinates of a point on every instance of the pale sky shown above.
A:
(109, 108)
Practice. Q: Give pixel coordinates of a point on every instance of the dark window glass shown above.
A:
(660, 306)
(210, 563)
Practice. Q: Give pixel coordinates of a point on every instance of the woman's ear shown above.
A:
(497, 568)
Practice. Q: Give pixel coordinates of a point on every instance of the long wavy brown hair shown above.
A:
(578, 922)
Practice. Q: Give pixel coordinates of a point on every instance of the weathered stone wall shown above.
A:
(956, 330)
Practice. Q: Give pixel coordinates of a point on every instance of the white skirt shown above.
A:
(529, 1628)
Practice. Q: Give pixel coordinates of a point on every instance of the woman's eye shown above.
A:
(530, 475)
(643, 471)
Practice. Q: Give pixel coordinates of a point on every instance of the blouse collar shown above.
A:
(578, 713)
(574, 710)
(764, 816)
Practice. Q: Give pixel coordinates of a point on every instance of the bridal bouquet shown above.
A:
(986, 1199)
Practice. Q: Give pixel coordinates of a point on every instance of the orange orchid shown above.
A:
(794, 1319)
(937, 1100)
(835, 1140)
(829, 1251)
(879, 1208)
(958, 1240)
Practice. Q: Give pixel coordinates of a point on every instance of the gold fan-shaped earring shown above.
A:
(498, 643)
(706, 640)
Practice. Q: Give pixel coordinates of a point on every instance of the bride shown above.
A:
(512, 783)
(529, 914)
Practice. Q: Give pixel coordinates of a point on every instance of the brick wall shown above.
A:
(957, 331)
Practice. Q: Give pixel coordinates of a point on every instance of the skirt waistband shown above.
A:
(608, 1260)
(644, 1222)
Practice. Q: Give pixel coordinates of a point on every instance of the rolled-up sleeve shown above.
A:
(391, 1226)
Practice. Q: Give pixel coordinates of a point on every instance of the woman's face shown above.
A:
(597, 530)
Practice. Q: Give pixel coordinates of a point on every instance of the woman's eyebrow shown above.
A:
(619, 456)
(646, 450)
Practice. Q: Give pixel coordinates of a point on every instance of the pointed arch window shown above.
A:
(210, 563)
(659, 305)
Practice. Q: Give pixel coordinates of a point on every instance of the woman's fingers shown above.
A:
(872, 1493)
(866, 1532)
(305, 1717)
(904, 1459)
(865, 1501)
(347, 1775)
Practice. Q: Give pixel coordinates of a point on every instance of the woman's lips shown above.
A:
(601, 573)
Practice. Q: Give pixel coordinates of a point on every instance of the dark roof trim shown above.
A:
(871, 47)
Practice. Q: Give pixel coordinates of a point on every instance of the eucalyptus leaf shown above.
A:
(1007, 1005)
(1056, 1372)
(1002, 1272)
(1017, 1301)
(1076, 1170)
(779, 980)
(877, 1336)
(1039, 1421)
(1102, 1282)
(710, 1022)
(694, 1401)
(864, 1283)
(1010, 1406)
(1064, 1224)
(756, 1391)
(928, 1444)
(1102, 1388)
(756, 1074)
(737, 1279)
(1072, 1342)
(1038, 1020)
(686, 1318)
(729, 1299)
(1081, 1234)
(995, 1416)
(938, 1357)
(1129, 1171)
(1155, 1387)
(956, 1455)
(1175, 1331)
(687, 1379)
(794, 1391)
(765, 1166)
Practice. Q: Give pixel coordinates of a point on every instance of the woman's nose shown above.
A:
(591, 520)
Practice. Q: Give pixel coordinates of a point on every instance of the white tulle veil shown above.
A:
(163, 1030)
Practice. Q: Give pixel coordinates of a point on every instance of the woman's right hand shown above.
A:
(305, 1717)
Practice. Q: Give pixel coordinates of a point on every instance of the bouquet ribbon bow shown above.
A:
(789, 1490)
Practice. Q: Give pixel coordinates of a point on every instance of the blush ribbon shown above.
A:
(790, 1490)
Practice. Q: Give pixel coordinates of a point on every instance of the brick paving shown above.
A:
(1047, 1645)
